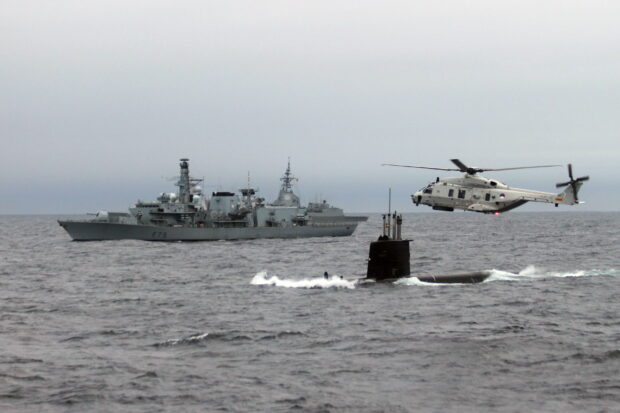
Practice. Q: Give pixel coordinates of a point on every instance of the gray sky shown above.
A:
(99, 99)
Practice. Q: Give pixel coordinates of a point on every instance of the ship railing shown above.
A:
(331, 224)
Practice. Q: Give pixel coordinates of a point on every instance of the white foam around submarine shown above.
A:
(415, 281)
(262, 278)
(533, 272)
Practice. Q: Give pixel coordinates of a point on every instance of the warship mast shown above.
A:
(286, 197)
(184, 182)
(287, 178)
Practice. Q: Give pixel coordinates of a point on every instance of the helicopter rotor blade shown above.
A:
(472, 170)
(420, 167)
(521, 167)
(572, 181)
(461, 165)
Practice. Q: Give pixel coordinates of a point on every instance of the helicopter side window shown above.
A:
(493, 183)
(451, 193)
(487, 197)
(461, 193)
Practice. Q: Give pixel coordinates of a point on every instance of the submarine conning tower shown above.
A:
(389, 256)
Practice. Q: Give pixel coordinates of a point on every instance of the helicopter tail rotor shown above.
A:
(575, 184)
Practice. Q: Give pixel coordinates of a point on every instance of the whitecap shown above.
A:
(532, 272)
(193, 339)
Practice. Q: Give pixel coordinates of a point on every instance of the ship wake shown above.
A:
(529, 273)
(532, 272)
(262, 278)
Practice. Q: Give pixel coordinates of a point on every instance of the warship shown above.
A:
(190, 215)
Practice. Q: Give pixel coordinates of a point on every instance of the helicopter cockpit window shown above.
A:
(493, 183)
(428, 189)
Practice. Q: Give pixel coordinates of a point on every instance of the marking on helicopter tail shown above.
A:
(559, 199)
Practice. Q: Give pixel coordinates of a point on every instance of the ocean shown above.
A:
(252, 326)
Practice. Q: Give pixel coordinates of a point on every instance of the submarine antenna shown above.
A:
(389, 223)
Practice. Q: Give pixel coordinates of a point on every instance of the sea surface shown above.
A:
(252, 326)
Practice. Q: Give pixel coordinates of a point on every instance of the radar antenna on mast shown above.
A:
(287, 178)
(287, 197)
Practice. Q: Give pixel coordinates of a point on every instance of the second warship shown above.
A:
(189, 215)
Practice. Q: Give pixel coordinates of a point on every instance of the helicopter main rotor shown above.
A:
(471, 170)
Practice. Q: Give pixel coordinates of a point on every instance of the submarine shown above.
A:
(389, 258)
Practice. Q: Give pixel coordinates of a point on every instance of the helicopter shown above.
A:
(473, 192)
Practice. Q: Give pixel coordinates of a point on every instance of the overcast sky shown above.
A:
(99, 99)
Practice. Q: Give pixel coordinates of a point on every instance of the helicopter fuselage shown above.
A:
(479, 194)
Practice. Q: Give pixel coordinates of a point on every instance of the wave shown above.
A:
(262, 278)
(193, 339)
(532, 272)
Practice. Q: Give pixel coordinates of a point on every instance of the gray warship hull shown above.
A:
(98, 231)
(191, 215)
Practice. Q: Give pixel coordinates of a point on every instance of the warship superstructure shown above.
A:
(190, 215)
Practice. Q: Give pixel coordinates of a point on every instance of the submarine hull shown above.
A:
(464, 278)
(389, 260)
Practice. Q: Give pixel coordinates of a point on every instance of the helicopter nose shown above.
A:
(417, 198)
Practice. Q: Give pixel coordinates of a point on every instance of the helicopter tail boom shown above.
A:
(569, 195)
